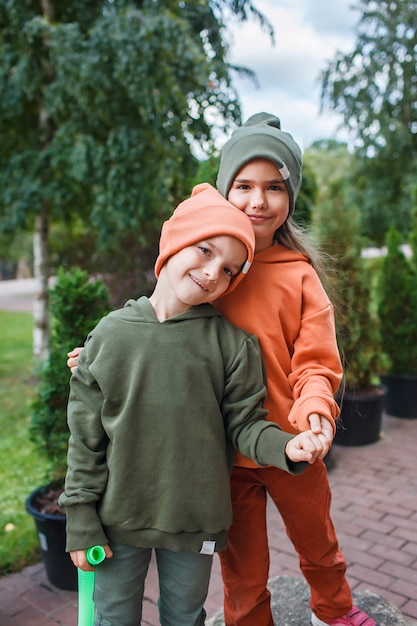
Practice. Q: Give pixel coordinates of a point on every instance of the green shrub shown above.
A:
(398, 307)
(76, 304)
(352, 289)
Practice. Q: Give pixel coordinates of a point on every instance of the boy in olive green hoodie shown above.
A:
(165, 390)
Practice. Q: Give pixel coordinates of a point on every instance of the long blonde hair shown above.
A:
(300, 239)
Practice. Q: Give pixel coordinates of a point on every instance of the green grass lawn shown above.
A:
(21, 468)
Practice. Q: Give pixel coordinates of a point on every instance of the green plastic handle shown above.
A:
(94, 555)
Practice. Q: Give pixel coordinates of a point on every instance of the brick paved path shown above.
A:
(375, 512)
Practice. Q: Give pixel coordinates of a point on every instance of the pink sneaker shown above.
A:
(355, 617)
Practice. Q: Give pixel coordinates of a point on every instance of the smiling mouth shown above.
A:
(258, 218)
(199, 283)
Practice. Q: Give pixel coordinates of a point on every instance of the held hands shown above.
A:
(320, 425)
(73, 359)
(307, 446)
(312, 444)
(79, 558)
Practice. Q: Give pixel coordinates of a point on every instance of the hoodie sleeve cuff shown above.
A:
(270, 450)
(303, 408)
(83, 527)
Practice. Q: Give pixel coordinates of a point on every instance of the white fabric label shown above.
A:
(208, 547)
(284, 171)
(246, 267)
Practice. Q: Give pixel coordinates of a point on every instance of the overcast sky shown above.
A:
(307, 34)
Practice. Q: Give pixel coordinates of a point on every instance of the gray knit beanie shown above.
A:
(261, 137)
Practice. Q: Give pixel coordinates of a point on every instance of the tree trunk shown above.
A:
(41, 272)
(41, 239)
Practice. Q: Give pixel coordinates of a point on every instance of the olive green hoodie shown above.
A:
(155, 412)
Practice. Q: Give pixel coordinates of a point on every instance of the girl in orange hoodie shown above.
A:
(282, 301)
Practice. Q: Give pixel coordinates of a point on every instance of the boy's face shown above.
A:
(203, 271)
(261, 193)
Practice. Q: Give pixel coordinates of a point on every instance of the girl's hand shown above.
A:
(320, 425)
(307, 446)
(79, 558)
(73, 358)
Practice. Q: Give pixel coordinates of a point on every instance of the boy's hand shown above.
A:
(80, 560)
(307, 446)
(73, 358)
(320, 425)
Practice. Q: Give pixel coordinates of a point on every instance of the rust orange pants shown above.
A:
(304, 504)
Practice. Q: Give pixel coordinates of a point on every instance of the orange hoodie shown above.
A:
(283, 302)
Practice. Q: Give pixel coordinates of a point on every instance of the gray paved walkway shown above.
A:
(17, 295)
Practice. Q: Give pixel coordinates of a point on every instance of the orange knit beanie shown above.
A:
(205, 214)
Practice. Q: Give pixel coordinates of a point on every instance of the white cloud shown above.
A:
(307, 35)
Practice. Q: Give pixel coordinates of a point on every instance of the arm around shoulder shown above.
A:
(86, 473)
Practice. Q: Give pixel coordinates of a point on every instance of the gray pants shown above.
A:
(183, 585)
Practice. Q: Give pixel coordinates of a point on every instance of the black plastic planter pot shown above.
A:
(361, 417)
(402, 395)
(60, 570)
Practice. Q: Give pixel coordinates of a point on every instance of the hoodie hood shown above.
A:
(141, 310)
(279, 254)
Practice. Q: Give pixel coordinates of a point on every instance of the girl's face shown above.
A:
(260, 192)
(203, 271)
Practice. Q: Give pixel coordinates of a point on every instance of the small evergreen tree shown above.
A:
(398, 305)
(76, 305)
(352, 289)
